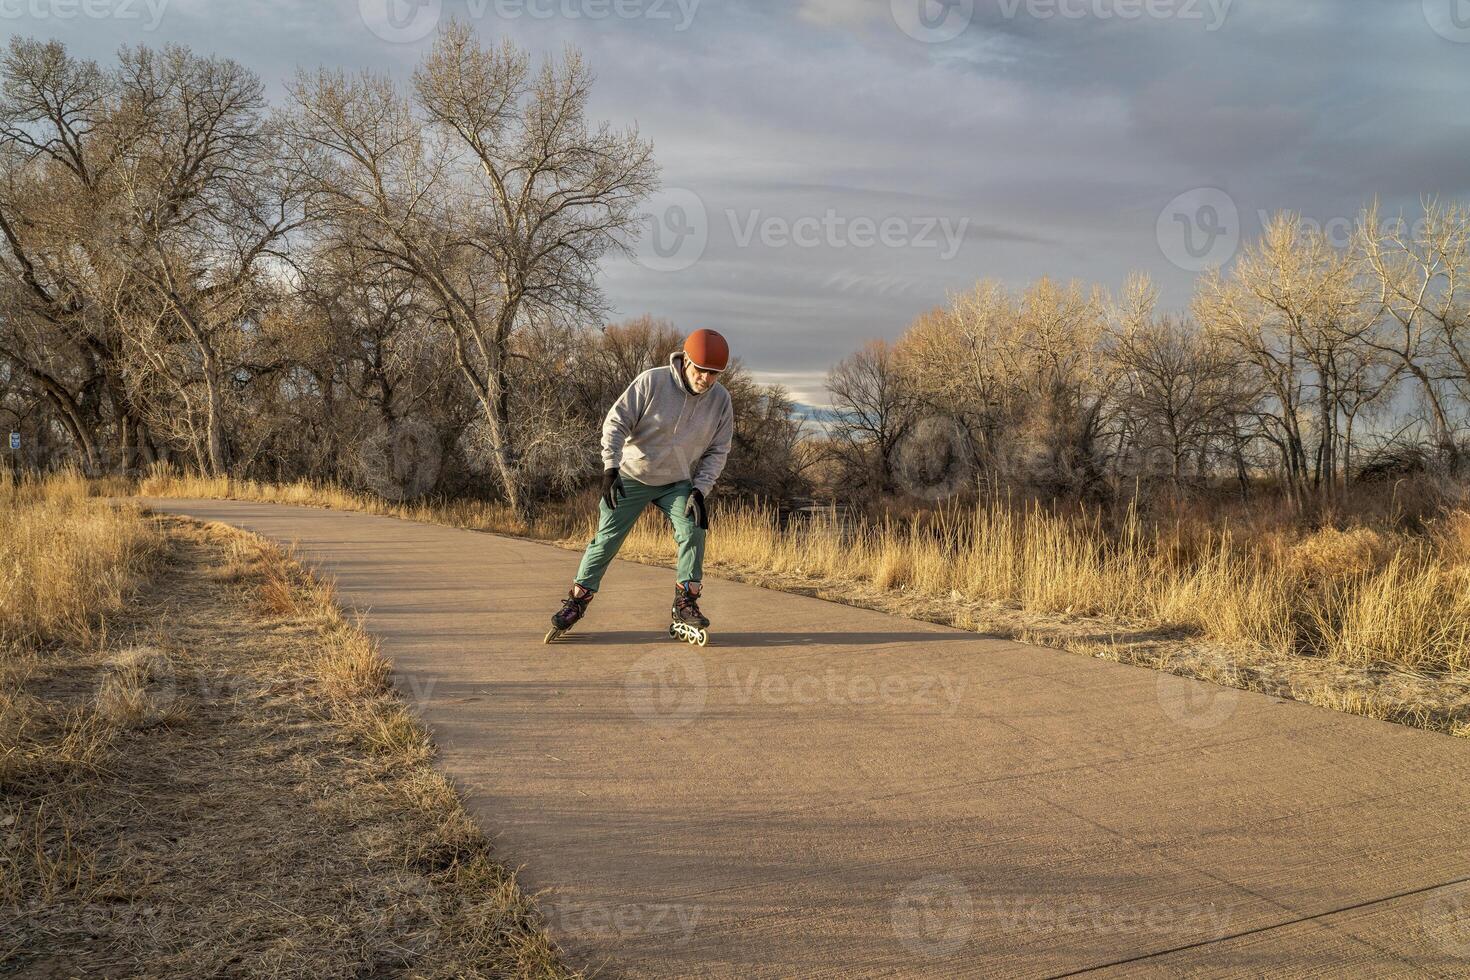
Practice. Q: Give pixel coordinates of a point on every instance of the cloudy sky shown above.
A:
(834, 167)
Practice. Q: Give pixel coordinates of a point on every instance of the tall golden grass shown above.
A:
(1362, 596)
(65, 559)
(1359, 597)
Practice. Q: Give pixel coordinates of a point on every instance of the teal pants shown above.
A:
(614, 523)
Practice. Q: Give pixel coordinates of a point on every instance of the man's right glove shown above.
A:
(612, 488)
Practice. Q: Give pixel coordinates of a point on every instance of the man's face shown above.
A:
(699, 378)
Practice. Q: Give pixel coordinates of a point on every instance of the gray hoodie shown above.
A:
(660, 432)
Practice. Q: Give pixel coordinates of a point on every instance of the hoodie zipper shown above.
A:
(682, 410)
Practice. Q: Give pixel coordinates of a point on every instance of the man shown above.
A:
(664, 442)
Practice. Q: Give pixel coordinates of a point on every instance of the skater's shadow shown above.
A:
(759, 641)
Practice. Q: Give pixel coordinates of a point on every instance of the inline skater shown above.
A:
(664, 442)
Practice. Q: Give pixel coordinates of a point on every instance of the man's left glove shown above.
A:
(697, 510)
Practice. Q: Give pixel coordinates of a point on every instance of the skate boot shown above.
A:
(573, 608)
(688, 622)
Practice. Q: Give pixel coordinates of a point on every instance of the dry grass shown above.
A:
(139, 692)
(1317, 614)
(477, 515)
(209, 773)
(1360, 597)
(66, 561)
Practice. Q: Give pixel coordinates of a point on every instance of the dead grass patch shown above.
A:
(223, 782)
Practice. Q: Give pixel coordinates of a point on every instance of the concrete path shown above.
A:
(828, 791)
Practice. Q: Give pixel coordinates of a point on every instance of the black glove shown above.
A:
(612, 488)
(696, 509)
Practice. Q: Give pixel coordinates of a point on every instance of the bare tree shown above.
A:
(1296, 309)
(1178, 388)
(1061, 331)
(496, 194)
(58, 150)
(203, 204)
(872, 413)
(1422, 274)
(137, 208)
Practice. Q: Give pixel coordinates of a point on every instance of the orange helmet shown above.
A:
(707, 349)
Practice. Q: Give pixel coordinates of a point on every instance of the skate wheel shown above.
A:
(702, 637)
(552, 634)
(673, 630)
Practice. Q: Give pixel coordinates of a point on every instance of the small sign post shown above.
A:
(14, 445)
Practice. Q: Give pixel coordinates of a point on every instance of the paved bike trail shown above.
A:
(831, 791)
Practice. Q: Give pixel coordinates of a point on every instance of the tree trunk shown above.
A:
(490, 392)
(213, 415)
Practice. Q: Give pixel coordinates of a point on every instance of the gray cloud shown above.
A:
(1056, 140)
